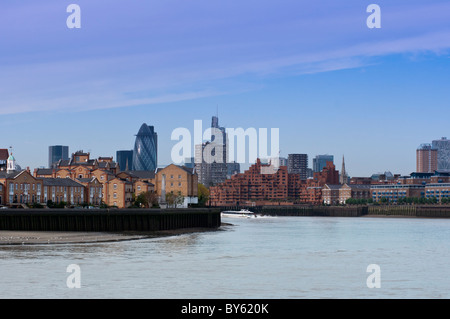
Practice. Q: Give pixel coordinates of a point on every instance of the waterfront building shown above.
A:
(58, 190)
(426, 159)
(320, 161)
(443, 154)
(253, 187)
(440, 177)
(311, 190)
(392, 192)
(125, 160)
(20, 187)
(119, 192)
(93, 190)
(179, 181)
(311, 193)
(354, 191)
(298, 164)
(145, 154)
(57, 153)
(330, 194)
(439, 191)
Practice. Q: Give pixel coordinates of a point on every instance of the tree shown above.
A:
(146, 199)
(203, 194)
(170, 199)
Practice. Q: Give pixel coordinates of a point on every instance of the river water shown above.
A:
(267, 258)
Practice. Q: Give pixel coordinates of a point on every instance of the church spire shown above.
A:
(343, 177)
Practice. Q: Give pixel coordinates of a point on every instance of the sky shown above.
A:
(313, 69)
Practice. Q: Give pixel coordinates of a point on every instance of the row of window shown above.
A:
(25, 187)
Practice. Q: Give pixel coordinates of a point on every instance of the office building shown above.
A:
(125, 160)
(320, 161)
(145, 154)
(56, 153)
(211, 157)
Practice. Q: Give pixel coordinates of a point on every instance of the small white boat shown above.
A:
(241, 213)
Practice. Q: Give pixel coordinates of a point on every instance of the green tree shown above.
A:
(203, 194)
(146, 199)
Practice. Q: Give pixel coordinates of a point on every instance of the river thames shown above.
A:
(259, 258)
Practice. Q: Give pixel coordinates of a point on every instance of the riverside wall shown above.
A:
(108, 220)
(424, 211)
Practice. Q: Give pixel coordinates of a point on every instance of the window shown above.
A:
(115, 186)
(139, 188)
(115, 195)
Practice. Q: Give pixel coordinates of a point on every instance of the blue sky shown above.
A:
(313, 69)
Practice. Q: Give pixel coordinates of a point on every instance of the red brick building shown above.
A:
(253, 186)
(311, 192)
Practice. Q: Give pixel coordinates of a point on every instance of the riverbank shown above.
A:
(8, 238)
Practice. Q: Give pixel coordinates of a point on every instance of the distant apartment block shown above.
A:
(426, 159)
(298, 164)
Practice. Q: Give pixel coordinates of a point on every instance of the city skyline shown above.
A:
(332, 85)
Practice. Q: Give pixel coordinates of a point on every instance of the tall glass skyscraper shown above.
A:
(56, 153)
(145, 154)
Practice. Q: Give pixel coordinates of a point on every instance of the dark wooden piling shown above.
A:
(105, 220)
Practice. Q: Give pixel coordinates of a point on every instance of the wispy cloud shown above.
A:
(199, 54)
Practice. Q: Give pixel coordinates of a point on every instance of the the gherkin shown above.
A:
(145, 155)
